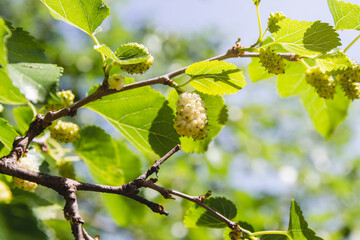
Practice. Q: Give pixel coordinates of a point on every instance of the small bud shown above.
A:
(116, 82)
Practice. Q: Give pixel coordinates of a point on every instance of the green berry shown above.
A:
(28, 164)
(67, 98)
(323, 83)
(5, 193)
(66, 169)
(191, 119)
(273, 21)
(349, 81)
(65, 132)
(138, 68)
(273, 62)
(116, 82)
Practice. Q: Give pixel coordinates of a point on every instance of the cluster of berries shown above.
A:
(67, 98)
(349, 81)
(137, 68)
(273, 62)
(65, 132)
(28, 164)
(191, 119)
(323, 83)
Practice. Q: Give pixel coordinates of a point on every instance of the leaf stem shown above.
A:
(259, 20)
(98, 43)
(271, 232)
(353, 41)
(304, 63)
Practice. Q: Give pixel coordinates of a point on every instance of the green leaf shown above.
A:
(216, 77)
(293, 81)
(22, 47)
(83, 14)
(246, 226)
(143, 116)
(346, 15)
(257, 72)
(61, 229)
(124, 55)
(333, 62)
(5, 33)
(306, 39)
(109, 161)
(128, 54)
(9, 94)
(217, 117)
(326, 114)
(298, 227)
(197, 216)
(18, 222)
(37, 81)
(23, 116)
(8, 134)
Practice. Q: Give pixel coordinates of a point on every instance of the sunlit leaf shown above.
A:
(326, 114)
(131, 54)
(346, 15)
(298, 227)
(333, 62)
(293, 81)
(257, 72)
(216, 77)
(143, 116)
(9, 94)
(4, 35)
(306, 38)
(36, 81)
(83, 14)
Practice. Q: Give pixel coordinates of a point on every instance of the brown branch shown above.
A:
(199, 200)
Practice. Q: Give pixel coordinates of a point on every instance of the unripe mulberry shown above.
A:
(65, 132)
(273, 20)
(116, 82)
(28, 164)
(67, 98)
(273, 62)
(350, 82)
(5, 193)
(66, 169)
(138, 68)
(191, 119)
(323, 83)
(129, 50)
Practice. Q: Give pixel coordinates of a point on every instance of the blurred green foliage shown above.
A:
(266, 155)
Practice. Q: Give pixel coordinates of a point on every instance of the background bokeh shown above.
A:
(267, 154)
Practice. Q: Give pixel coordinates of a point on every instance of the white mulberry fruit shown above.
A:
(67, 98)
(191, 119)
(138, 68)
(272, 61)
(273, 20)
(116, 82)
(28, 164)
(65, 132)
(323, 83)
